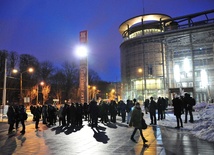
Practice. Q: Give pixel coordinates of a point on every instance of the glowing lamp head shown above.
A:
(15, 71)
(81, 51)
(140, 70)
(42, 83)
(30, 70)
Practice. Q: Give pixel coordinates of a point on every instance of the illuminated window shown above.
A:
(204, 79)
(177, 73)
(150, 70)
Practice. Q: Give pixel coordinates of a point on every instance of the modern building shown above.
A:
(161, 55)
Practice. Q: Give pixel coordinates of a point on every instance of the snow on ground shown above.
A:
(203, 126)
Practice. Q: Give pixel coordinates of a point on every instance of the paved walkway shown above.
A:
(108, 139)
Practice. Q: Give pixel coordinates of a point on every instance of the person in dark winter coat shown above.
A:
(11, 118)
(123, 110)
(178, 110)
(104, 109)
(94, 113)
(146, 105)
(73, 114)
(32, 108)
(68, 114)
(129, 106)
(85, 111)
(152, 111)
(64, 114)
(113, 111)
(37, 113)
(60, 115)
(44, 113)
(79, 113)
(17, 115)
(164, 101)
(51, 114)
(22, 117)
(136, 122)
(160, 108)
(188, 104)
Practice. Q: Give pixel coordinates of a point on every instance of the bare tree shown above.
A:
(45, 92)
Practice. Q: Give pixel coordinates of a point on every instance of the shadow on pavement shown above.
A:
(122, 125)
(66, 130)
(111, 125)
(9, 146)
(100, 136)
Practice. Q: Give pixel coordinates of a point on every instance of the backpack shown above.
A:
(144, 125)
(193, 102)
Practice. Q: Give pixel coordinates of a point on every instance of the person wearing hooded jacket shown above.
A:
(136, 122)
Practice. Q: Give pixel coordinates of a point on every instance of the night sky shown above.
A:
(49, 29)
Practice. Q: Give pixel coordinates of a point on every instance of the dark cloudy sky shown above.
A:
(49, 29)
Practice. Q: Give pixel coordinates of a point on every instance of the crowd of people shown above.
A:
(73, 114)
(183, 105)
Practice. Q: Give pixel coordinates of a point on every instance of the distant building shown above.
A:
(161, 55)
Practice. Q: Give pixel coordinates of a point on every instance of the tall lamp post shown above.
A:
(30, 70)
(82, 52)
(140, 70)
(4, 88)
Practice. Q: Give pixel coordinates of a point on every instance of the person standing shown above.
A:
(164, 101)
(11, 118)
(94, 113)
(129, 106)
(136, 122)
(123, 110)
(189, 102)
(22, 117)
(37, 115)
(146, 106)
(44, 114)
(178, 110)
(152, 111)
(17, 115)
(160, 108)
(113, 111)
(60, 115)
(73, 114)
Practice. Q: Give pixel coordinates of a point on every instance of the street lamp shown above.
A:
(82, 52)
(140, 70)
(4, 88)
(30, 70)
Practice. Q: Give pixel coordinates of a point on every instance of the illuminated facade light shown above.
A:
(204, 78)
(177, 73)
(186, 65)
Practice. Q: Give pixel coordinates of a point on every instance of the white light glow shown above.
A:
(177, 73)
(81, 51)
(204, 78)
(186, 65)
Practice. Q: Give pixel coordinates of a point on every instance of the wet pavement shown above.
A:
(107, 139)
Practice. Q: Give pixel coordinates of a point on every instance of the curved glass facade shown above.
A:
(173, 57)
